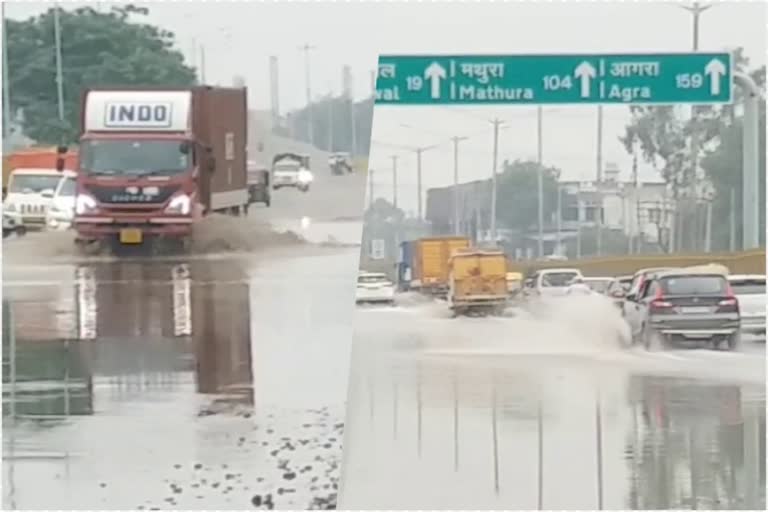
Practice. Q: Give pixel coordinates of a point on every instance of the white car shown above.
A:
(374, 287)
(750, 292)
(291, 170)
(554, 281)
(30, 193)
(61, 212)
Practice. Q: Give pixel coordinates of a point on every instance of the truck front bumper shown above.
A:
(104, 227)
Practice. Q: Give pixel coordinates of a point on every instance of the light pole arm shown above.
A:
(747, 84)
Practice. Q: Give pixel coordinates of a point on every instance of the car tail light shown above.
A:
(658, 302)
(729, 304)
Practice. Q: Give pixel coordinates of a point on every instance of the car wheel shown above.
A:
(651, 339)
(734, 340)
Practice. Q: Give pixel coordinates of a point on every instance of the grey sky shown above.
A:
(239, 37)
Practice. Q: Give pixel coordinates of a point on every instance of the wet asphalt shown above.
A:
(214, 381)
(499, 413)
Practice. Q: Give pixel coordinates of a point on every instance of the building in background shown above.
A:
(635, 217)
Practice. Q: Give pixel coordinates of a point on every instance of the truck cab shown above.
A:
(148, 158)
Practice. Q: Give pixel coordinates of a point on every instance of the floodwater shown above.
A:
(546, 411)
(199, 384)
(214, 381)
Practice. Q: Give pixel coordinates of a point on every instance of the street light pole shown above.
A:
(59, 73)
(394, 180)
(310, 127)
(418, 183)
(456, 216)
(540, 159)
(494, 185)
(696, 9)
(6, 88)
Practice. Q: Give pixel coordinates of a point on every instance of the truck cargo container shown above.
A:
(430, 262)
(477, 281)
(154, 162)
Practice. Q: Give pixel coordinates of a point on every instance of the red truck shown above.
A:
(152, 163)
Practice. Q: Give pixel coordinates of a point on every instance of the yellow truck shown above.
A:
(430, 262)
(477, 282)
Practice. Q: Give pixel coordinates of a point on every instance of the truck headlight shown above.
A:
(85, 204)
(180, 204)
(305, 176)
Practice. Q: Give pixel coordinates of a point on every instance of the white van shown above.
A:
(30, 193)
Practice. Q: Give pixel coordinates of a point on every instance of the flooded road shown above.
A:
(188, 382)
(215, 381)
(544, 413)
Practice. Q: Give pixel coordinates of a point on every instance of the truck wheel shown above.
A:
(734, 340)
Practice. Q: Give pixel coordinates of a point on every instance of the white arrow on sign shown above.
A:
(714, 69)
(585, 72)
(434, 73)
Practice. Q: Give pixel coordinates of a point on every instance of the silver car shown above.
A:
(683, 305)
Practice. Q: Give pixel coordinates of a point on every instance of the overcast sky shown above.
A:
(239, 38)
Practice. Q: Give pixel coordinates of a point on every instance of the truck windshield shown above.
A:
(139, 157)
(33, 183)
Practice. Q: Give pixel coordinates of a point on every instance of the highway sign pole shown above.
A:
(418, 183)
(599, 224)
(394, 181)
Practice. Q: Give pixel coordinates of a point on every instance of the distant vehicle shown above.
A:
(429, 265)
(554, 281)
(684, 305)
(618, 289)
(374, 287)
(514, 283)
(61, 212)
(638, 279)
(291, 170)
(579, 286)
(340, 163)
(30, 194)
(477, 282)
(750, 291)
(599, 284)
(259, 184)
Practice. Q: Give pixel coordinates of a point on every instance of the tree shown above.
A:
(661, 138)
(334, 112)
(98, 49)
(517, 194)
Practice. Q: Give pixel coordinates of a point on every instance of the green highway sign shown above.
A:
(658, 78)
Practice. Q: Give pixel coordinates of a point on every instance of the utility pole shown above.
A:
(540, 158)
(6, 88)
(306, 49)
(330, 122)
(418, 183)
(456, 216)
(732, 221)
(202, 64)
(59, 72)
(599, 180)
(370, 188)
(494, 185)
(394, 180)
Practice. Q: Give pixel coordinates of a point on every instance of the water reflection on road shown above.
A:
(544, 432)
(140, 375)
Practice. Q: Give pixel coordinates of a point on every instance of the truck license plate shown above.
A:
(130, 236)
